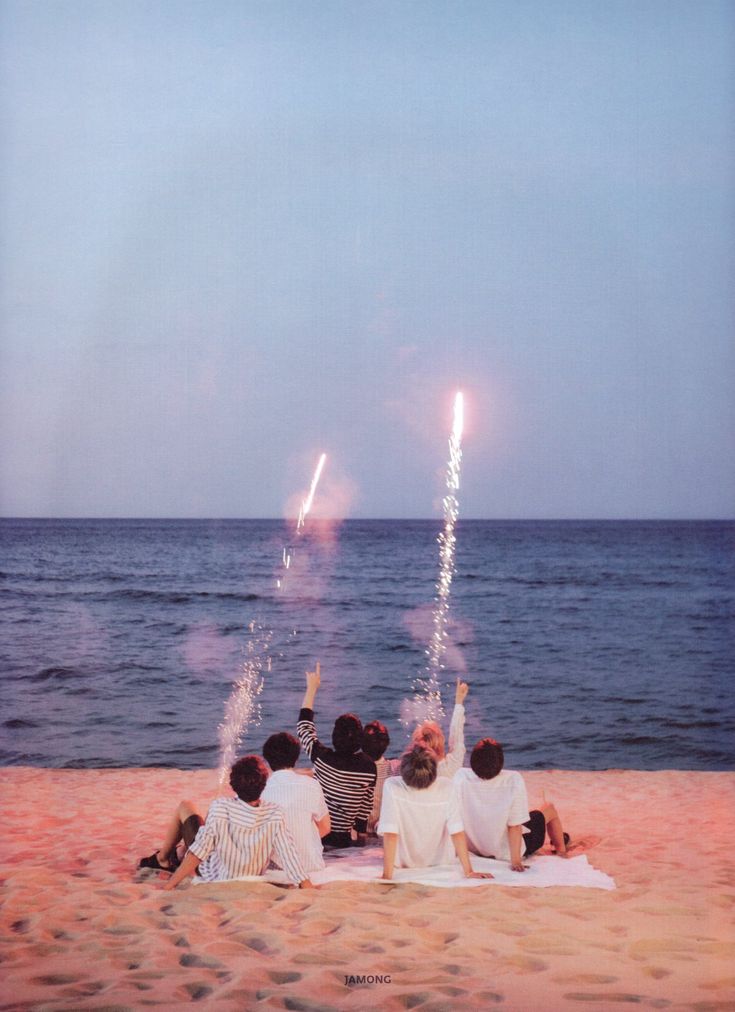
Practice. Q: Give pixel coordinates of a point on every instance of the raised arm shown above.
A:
(313, 681)
(456, 751)
(305, 728)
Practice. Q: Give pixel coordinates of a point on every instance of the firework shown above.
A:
(428, 685)
(306, 504)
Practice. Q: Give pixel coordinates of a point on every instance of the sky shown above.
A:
(240, 234)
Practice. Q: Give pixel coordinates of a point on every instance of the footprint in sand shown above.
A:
(197, 991)
(283, 977)
(585, 978)
(526, 964)
(191, 959)
(54, 979)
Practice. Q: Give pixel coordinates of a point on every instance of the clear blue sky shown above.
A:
(236, 234)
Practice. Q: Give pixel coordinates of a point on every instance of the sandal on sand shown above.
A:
(155, 864)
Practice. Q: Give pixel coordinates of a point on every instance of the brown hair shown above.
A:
(418, 767)
(248, 777)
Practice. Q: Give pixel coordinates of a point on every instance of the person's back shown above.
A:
(239, 837)
(424, 820)
(488, 807)
(301, 798)
(494, 806)
(346, 775)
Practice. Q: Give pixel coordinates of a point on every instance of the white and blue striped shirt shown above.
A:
(240, 839)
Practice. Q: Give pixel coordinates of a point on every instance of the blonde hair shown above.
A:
(430, 735)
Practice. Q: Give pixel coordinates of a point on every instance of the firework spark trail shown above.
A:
(428, 685)
(303, 513)
(306, 504)
(243, 706)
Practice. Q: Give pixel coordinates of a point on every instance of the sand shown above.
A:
(82, 929)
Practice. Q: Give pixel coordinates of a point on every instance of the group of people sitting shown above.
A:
(427, 806)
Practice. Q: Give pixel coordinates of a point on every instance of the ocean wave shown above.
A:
(57, 674)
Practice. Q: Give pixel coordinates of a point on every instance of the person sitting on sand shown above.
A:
(420, 821)
(431, 736)
(375, 740)
(239, 837)
(346, 775)
(301, 798)
(494, 809)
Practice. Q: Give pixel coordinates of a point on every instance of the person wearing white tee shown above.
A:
(301, 798)
(493, 803)
(419, 818)
(430, 735)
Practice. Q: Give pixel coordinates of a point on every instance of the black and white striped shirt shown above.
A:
(240, 839)
(347, 779)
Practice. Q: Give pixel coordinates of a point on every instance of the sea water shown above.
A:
(587, 644)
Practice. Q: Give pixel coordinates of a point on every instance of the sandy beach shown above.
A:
(82, 929)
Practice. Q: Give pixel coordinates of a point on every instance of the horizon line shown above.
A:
(321, 520)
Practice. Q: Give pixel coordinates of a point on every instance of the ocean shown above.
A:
(586, 644)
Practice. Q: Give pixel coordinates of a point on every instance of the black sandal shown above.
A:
(155, 864)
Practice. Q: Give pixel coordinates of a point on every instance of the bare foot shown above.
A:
(577, 847)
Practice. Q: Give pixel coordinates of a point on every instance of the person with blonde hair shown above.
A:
(429, 735)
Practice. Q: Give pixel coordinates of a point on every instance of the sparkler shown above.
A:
(428, 685)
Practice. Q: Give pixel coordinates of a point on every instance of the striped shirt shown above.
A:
(347, 779)
(302, 801)
(240, 839)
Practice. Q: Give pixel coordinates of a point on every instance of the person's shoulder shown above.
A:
(363, 763)
(511, 779)
(463, 775)
(269, 809)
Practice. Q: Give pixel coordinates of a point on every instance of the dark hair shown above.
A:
(248, 776)
(281, 751)
(418, 767)
(375, 739)
(487, 758)
(347, 734)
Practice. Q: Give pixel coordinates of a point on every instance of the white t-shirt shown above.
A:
(424, 821)
(303, 804)
(454, 758)
(488, 807)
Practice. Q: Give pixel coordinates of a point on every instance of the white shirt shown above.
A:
(488, 807)
(424, 821)
(303, 804)
(240, 839)
(454, 758)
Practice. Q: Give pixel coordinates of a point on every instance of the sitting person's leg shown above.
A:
(184, 825)
(545, 820)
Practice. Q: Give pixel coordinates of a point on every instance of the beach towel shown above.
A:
(354, 865)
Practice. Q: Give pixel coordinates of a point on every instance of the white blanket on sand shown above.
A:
(367, 866)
